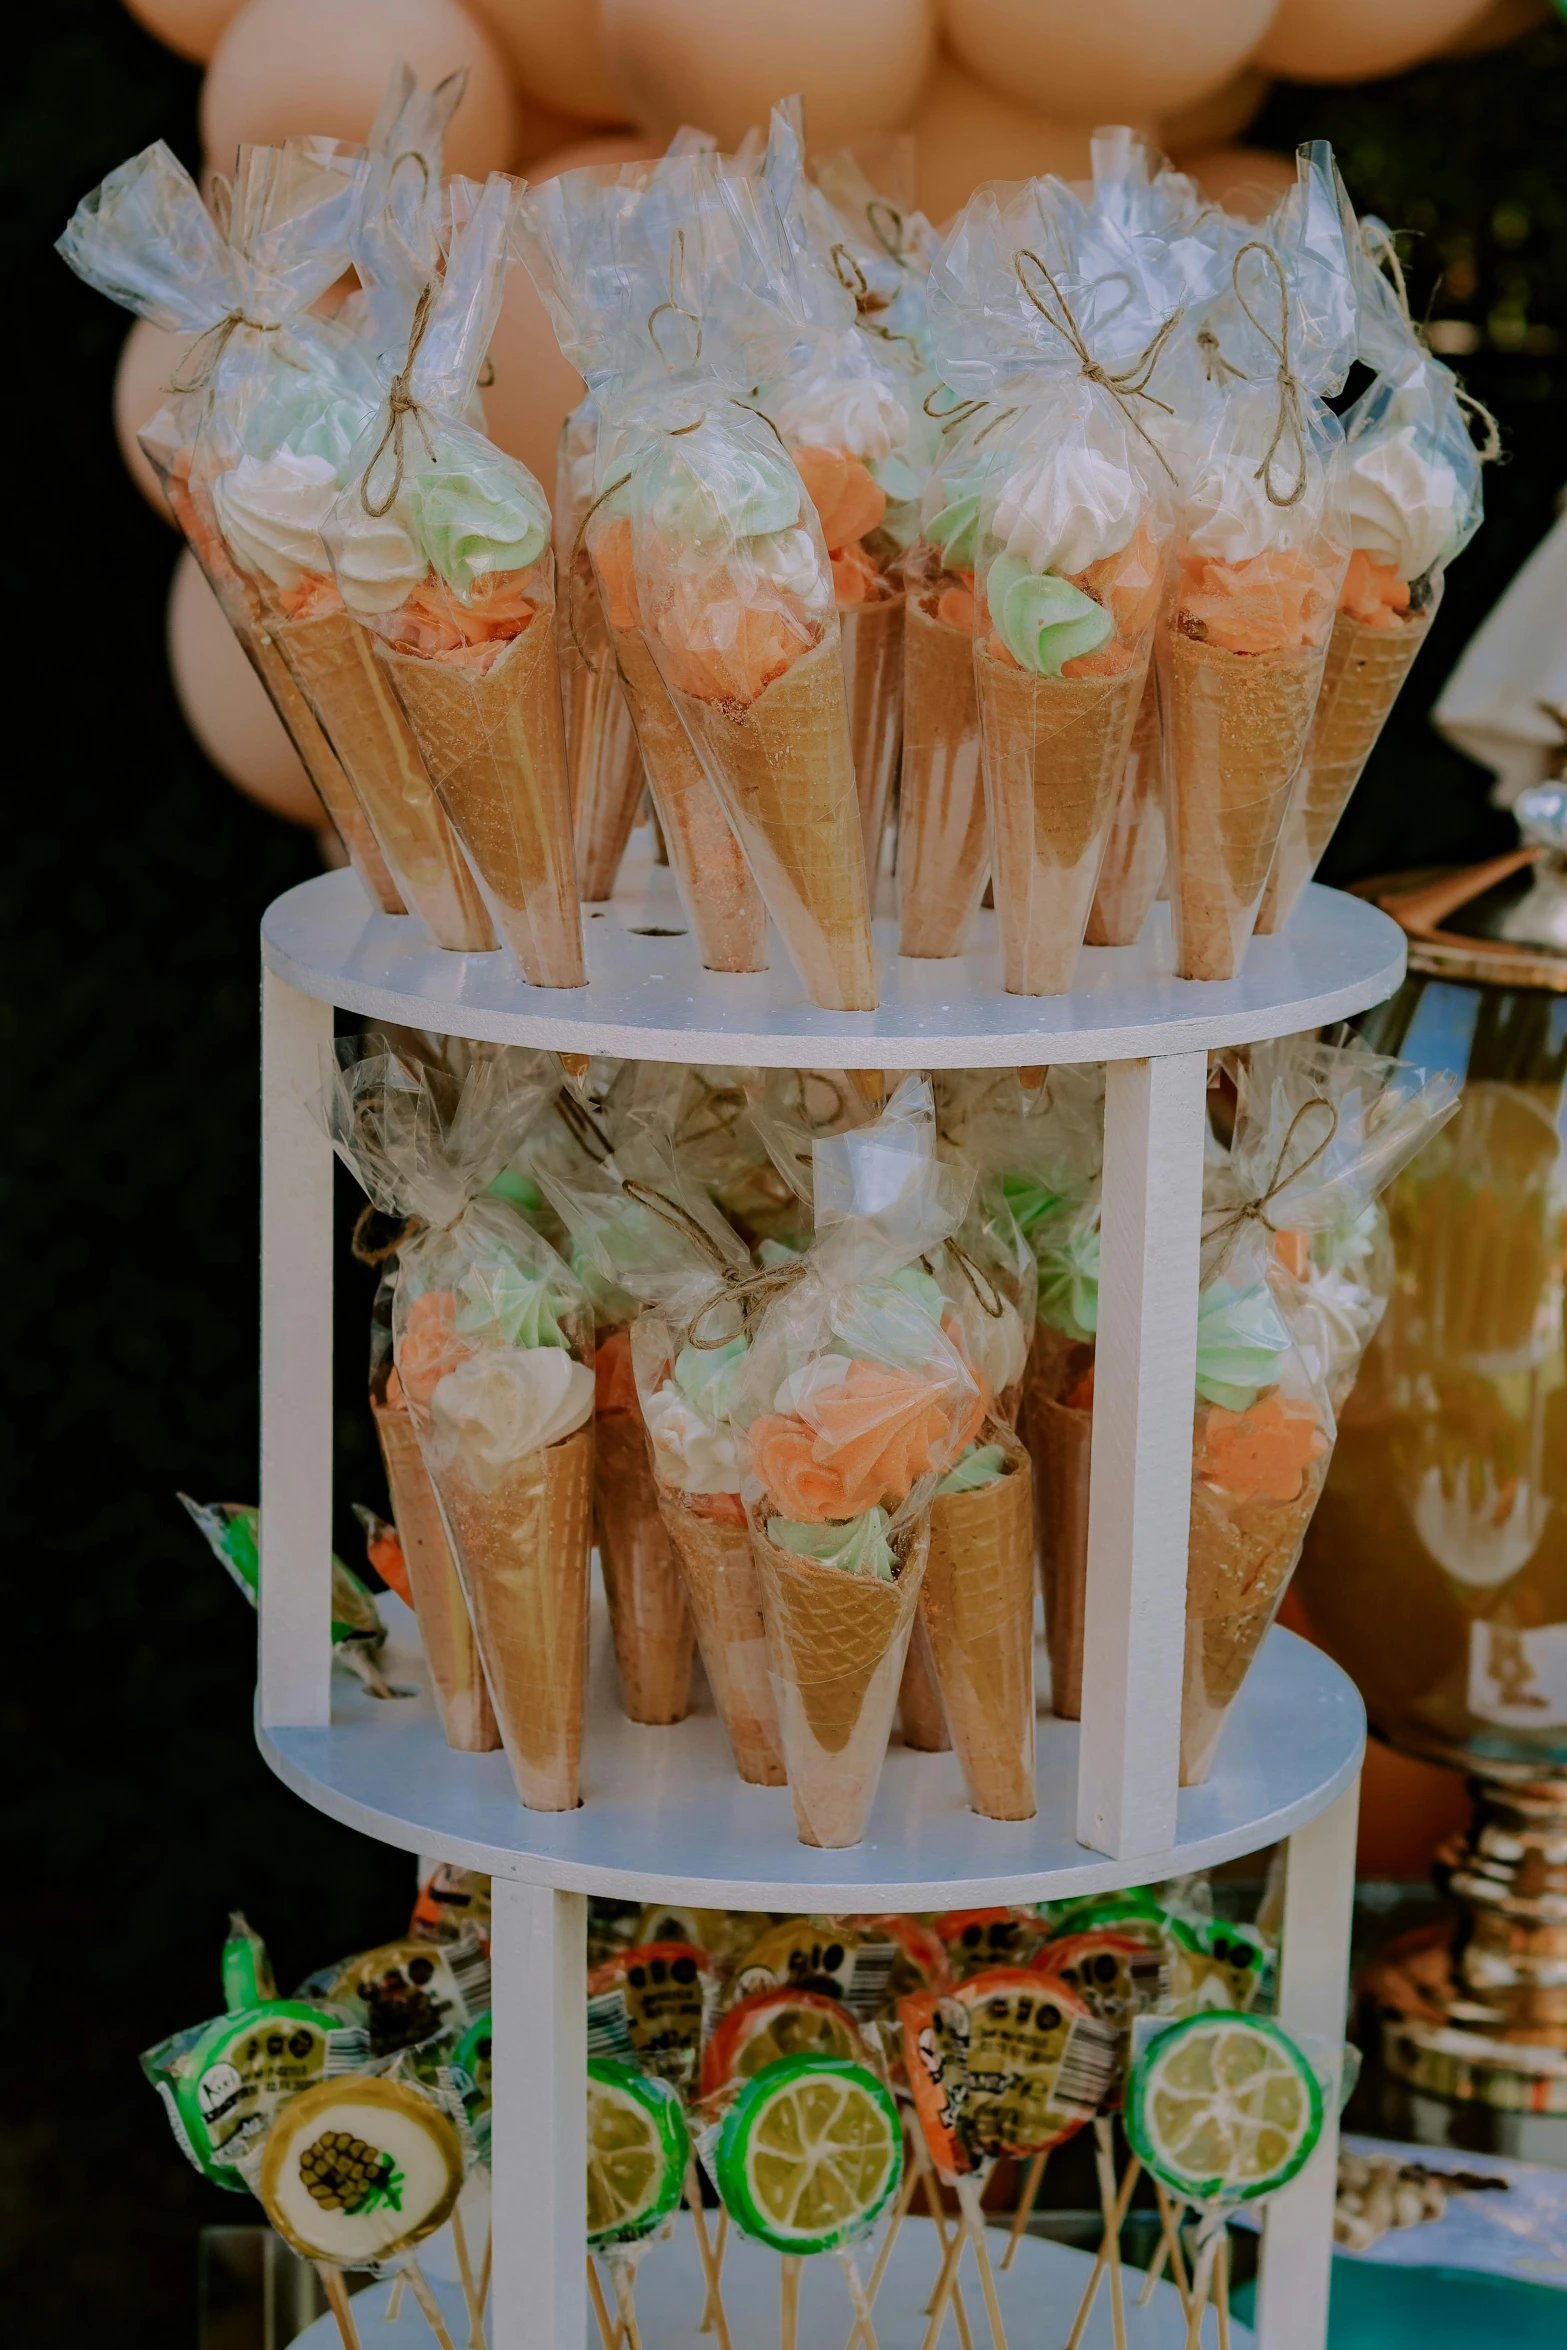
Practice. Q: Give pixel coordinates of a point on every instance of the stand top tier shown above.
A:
(649, 999)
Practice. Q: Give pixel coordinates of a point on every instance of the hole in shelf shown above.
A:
(654, 932)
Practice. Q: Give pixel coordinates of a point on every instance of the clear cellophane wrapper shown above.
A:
(462, 1696)
(1289, 1299)
(604, 764)
(854, 1398)
(493, 1350)
(1132, 872)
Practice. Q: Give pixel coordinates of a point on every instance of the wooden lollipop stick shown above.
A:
(484, 2273)
(946, 2285)
(987, 2280)
(1028, 2196)
(1102, 2257)
(624, 2278)
(609, 2333)
(911, 2179)
(719, 2249)
(715, 2298)
(470, 2292)
(394, 2299)
(1223, 2276)
(859, 2297)
(788, 2301)
(933, 2204)
(1202, 2278)
(1104, 2159)
(419, 2286)
(1169, 2248)
(335, 2287)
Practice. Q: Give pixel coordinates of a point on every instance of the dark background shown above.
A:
(132, 881)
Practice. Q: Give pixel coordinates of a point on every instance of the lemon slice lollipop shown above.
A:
(638, 2149)
(1223, 2107)
(809, 2153)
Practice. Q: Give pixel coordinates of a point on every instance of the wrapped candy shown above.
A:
(854, 1399)
(1261, 553)
(1041, 304)
(493, 1351)
(1319, 1132)
(441, 545)
(223, 2082)
(673, 288)
(1412, 501)
(146, 239)
(603, 759)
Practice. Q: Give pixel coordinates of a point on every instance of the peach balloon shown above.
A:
(1503, 21)
(964, 133)
(189, 27)
(1357, 40)
(226, 705)
(539, 131)
(1108, 60)
(722, 63)
(534, 388)
(1247, 180)
(556, 50)
(288, 66)
(1212, 122)
(149, 358)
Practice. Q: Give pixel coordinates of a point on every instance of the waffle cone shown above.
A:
(836, 1643)
(654, 1640)
(496, 750)
(1362, 679)
(722, 902)
(324, 768)
(1235, 725)
(977, 1613)
(1060, 1444)
(1055, 751)
(943, 831)
(1133, 864)
(1240, 1560)
(872, 639)
(920, 1718)
(784, 771)
(603, 768)
(462, 1698)
(332, 660)
(522, 1552)
(725, 1599)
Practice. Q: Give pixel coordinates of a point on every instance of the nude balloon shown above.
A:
(1502, 22)
(226, 706)
(1108, 59)
(722, 63)
(1247, 180)
(1215, 121)
(556, 51)
(290, 66)
(1357, 40)
(150, 358)
(189, 27)
(964, 133)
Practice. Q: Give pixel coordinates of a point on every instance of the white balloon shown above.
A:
(226, 706)
(722, 64)
(1109, 60)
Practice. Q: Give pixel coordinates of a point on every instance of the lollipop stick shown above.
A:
(469, 2290)
(1202, 2277)
(946, 2284)
(1104, 2160)
(609, 2333)
(788, 2301)
(899, 2214)
(624, 2278)
(987, 2279)
(933, 2205)
(1169, 2249)
(394, 2299)
(715, 2299)
(857, 2294)
(1101, 2259)
(419, 2286)
(1028, 2196)
(1222, 2273)
(484, 2273)
(336, 2291)
(706, 2325)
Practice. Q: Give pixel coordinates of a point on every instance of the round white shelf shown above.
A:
(648, 997)
(664, 1817)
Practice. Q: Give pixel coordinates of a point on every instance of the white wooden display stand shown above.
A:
(664, 1815)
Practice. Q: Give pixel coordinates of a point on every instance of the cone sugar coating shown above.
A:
(1241, 1557)
(654, 1638)
(725, 1598)
(721, 900)
(604, 766)
(784, 771)
(325, 770)
(836, 1643)
(462, 1697)
(495, 746)
(872, 640)
(977, 1612)
(1133, 864)
(522, 1552)
(1235, 727)
(332, 659)
(1054, 752)
(1362, 679)
(1060, 1443)
(920, 1718)
(943, 830)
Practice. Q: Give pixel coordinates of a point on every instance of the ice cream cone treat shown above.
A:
(977, 1616)
(604, 763)
(492, 1350)
(1319, 1132)
(855, 1397)
(674, 289)
(1132, 873)
(921, 1721)
(1043, 304)
(1412, 501)
(1261, 557)
(440, 545)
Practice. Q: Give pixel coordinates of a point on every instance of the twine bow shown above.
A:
(1215, 366)
(750, 1292)
(1125, 386)
(1381, 248)
(674, 307)
(1229, 1225)
(1290, 423)
(400, 405)
(217, 336)
(988, 1298)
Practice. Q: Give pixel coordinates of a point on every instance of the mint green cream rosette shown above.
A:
(859, 1547)
(982, 1464)
(1241, 1337)
(710, 487)
(1069, 1283)
(1043, 621)
(510, 1300)
(954, 532)
(474, 513)
(709, 1377)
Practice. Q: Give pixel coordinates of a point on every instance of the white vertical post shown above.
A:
(1140, 1485)
(1297, 2226)
(296, 1363)
(539, 2116)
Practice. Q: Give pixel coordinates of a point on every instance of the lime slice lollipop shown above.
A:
(1214, 1964)
(244, 2067)
(1223, 2107)
(770, 2025)
(638, 2149)
(809, 2153)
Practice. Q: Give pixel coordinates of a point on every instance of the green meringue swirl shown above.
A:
(982, 1464)
(1043, 621)
(1240, 1336)
(475, 513)
(859, 1547)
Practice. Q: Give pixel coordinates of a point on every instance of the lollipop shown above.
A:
(223, 2083)
(851, 1964)
(668, 1989)
(639, 2155)
(472, 2069)
(978, 1938)
(1215, 1964)
(769, 2025)
(407, 1991)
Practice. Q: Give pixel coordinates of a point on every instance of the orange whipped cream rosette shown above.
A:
(430, 1346)
(715, 645)
(869, 1440)
(1274, 602)
(849, 503)
(1262, 1453)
